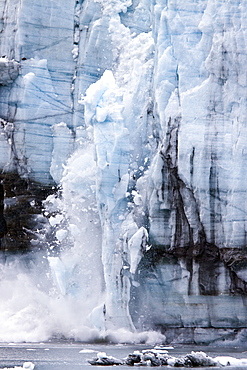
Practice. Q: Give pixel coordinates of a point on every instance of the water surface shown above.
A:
(75, 356)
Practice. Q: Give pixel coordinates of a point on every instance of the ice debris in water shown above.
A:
(26, 366)
(102, 359)
(161, 357)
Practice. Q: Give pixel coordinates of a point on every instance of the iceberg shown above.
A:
(123, 156)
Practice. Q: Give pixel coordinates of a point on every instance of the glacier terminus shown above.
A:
(123, 156)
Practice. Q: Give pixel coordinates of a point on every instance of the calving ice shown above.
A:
(123, 159)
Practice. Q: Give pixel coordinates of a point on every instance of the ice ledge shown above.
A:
(9, 70)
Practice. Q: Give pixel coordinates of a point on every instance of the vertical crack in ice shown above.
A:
(75, 51)
(188, 237)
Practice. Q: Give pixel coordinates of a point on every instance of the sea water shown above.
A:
(74, 356)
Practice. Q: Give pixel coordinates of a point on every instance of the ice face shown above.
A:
(41, 94)
(137, 111)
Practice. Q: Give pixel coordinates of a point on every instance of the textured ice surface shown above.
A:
(9, 70)
(137, 111)
(160, 357)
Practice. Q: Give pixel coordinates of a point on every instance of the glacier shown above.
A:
(123, 127)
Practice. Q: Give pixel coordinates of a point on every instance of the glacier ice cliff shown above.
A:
(123, 156)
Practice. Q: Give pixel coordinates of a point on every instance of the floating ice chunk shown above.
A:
(231, 361)
(160, 357)
(163, 348)
(101, 354)
(28, 366)
(200, 359)
(103, 359)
